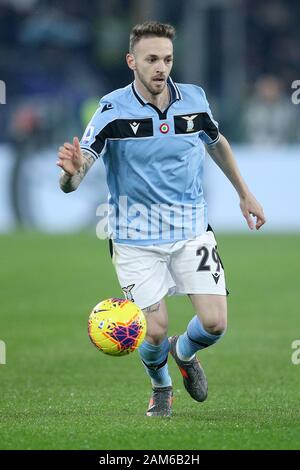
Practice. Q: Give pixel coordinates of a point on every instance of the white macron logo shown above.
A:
(135, 126)
(190, 122)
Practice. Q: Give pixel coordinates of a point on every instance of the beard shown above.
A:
(149, 87)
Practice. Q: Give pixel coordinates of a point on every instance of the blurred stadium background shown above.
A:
(57, 59)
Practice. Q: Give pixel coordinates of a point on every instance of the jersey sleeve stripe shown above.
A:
(214, 141)
(89, 150)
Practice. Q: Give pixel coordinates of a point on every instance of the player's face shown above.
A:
(152, 62)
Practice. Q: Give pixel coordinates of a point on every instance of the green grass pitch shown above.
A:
(59, 392)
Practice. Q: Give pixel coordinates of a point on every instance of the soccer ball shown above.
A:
(117, 326)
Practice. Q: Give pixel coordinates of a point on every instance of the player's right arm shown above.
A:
(77, 158)
(75, 164)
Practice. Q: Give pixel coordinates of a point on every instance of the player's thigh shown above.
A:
(197, 268)
(212, 311)
(157, 322)
(142, 273)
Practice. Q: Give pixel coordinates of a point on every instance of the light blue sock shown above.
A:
(194, 339)
(155, 359)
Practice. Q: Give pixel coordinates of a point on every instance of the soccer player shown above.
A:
(152, 136)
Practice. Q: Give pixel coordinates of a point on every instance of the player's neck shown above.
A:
(161, 101)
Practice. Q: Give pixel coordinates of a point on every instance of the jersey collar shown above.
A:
(174, 91)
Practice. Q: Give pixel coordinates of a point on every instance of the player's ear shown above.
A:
(130, 59)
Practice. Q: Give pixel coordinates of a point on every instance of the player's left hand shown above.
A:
(251, 207)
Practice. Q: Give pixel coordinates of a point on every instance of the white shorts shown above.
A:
(147, 273)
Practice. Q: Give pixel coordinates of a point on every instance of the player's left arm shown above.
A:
(223, 156)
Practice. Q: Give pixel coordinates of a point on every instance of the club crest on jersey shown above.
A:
(190, 122)
(164, 128)
(127, 292)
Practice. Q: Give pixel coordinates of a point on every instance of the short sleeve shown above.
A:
(210, 128)
(97, 130)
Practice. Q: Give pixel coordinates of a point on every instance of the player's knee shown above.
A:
(155, 339)
(216, 326)
(157, 325)
(156, 332)
(217, 330)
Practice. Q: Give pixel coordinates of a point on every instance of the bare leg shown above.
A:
(157, 322)
(212, 311)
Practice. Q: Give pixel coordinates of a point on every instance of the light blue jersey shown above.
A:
(154, 163)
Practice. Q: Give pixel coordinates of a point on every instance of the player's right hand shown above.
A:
(70, 157)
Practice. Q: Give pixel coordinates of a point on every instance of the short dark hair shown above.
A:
(150, 29)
